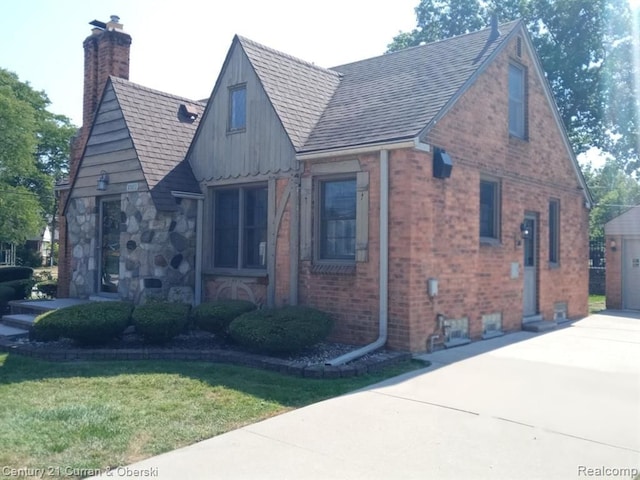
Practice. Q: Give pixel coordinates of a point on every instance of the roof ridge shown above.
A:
(124, 81)
(436, 42)
(245, 40)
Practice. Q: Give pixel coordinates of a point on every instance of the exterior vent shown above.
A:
(560, 311)
(492, 325)
(519, 47)
(188, 112)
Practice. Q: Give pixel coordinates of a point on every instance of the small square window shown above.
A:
(237, 108)
(517, 101)
(337, 220)
(490, 209)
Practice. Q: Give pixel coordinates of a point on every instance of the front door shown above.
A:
(631, 274)
(109, 246)
(530, 294)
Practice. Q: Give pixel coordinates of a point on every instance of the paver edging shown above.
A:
(252, 360)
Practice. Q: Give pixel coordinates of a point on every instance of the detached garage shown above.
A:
(623, 260)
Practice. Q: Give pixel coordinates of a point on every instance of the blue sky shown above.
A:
(179, 46)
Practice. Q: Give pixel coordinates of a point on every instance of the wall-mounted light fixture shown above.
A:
(524, 231)
(613, 245)
(103, 181)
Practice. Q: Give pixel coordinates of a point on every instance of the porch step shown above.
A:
(7, 331)
(19, 320)
(540, 326)
(24, 312)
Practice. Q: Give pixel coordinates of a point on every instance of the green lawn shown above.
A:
(597, 303)
(88, 415)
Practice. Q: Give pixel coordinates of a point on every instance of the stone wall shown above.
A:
(157, 249)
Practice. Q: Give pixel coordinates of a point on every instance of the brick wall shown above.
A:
(434, 225)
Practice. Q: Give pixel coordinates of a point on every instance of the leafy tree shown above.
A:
(613, 192)
(34, 151)
(586, 49)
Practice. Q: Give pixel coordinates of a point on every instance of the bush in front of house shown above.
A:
(48, 288)
(6, 295)
(215, 317)
(281, 330)
(159, 322)
(87, 324)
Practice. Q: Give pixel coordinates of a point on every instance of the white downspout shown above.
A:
(384, 269)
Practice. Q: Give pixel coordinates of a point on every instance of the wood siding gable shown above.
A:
(109, 149)
(260, 149)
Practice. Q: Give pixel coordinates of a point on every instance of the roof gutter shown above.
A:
(199, 197)
(360, 149)
(384, 270)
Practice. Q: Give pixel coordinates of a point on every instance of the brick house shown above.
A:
(622, 244)
(422, 197)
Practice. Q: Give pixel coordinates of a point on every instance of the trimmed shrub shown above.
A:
(47, 327)
(15, 273)
(21, 288)
(281, 330)
(6, 295)
(215, 317)
(88, 324)
(48, 288)
(159, 322)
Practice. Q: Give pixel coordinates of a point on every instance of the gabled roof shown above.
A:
(389, 97)
(299, 91)
(627, 223)
(161, 131)
(396, 95)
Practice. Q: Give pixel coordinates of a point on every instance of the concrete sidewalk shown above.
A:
(559, 405)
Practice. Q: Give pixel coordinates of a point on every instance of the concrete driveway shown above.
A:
(559, 405)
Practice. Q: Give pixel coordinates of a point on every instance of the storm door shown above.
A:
(530, 294)
(109, 246)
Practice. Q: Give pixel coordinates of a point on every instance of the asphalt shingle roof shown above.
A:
(161, 135)
(299, 91)
(389, 97)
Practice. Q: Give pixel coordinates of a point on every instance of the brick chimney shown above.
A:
(106, 53)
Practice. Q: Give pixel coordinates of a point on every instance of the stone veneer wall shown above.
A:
(157, 249)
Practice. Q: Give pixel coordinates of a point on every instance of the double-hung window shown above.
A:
(517, 101)
(240, 228)
(237, 108)
(489, 209)
(337, 220)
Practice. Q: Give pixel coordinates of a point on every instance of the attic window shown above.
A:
(237, 108)
(187, 111)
